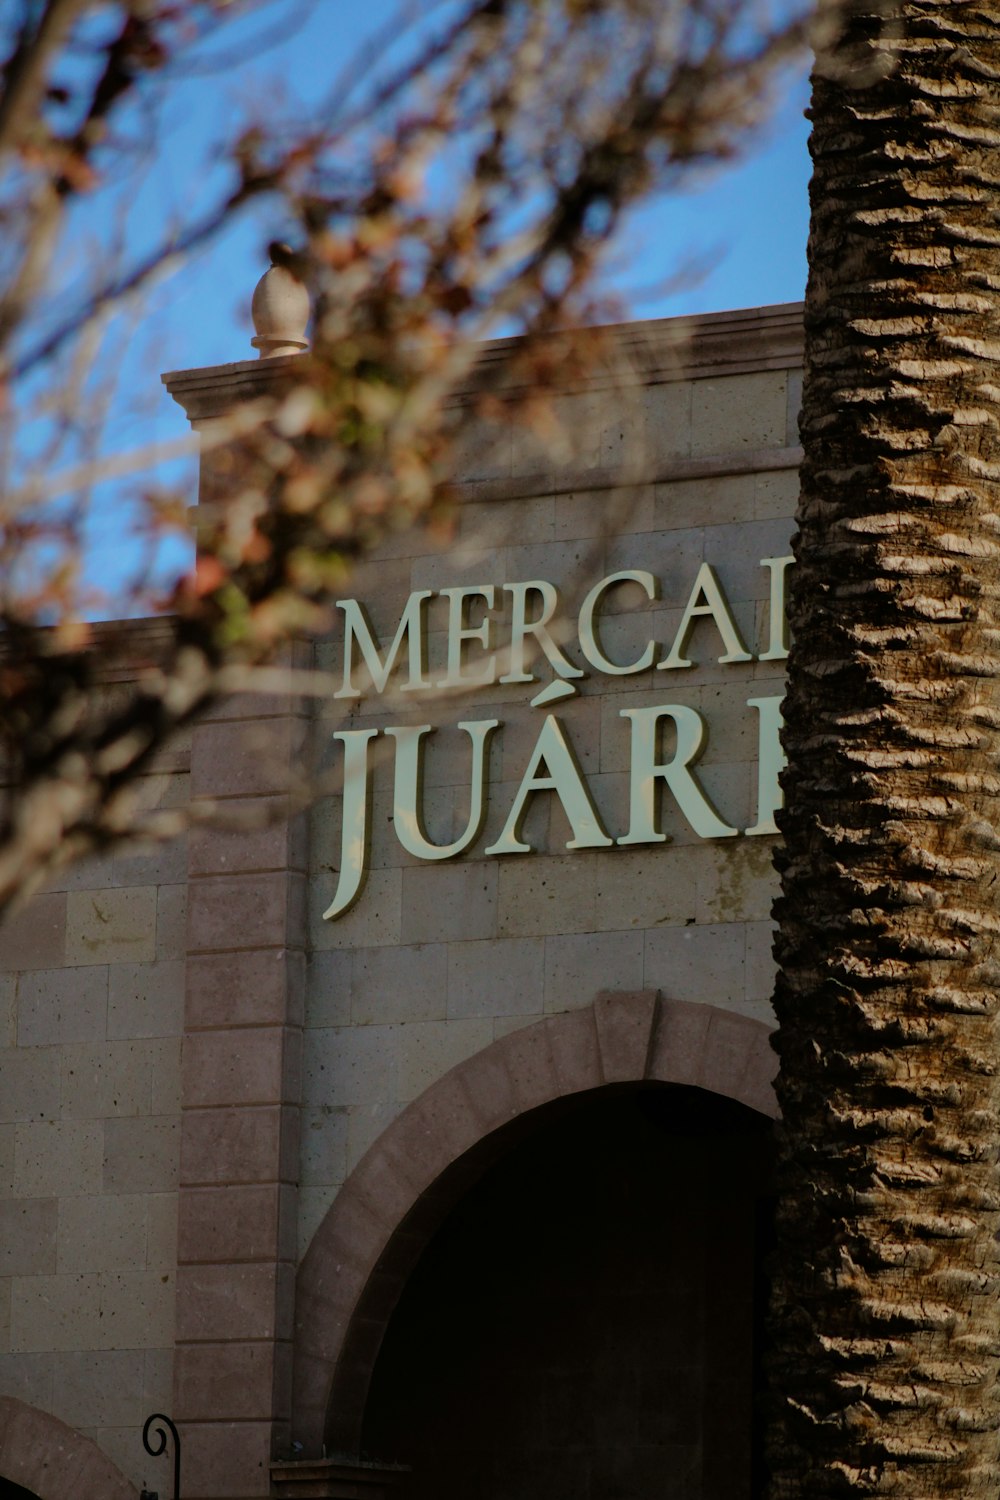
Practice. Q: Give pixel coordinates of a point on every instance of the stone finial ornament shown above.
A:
(280, 306)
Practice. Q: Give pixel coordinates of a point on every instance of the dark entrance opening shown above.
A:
(584, 1325)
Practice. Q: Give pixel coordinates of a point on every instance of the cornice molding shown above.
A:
(663, 349)
(215, 390)
(711, 345)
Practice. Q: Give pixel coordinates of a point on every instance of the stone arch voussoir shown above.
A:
(43, 1455)
(348, 1286)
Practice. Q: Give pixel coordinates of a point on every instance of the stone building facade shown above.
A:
(383, 1168)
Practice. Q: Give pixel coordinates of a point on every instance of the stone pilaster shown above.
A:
(241, 1073)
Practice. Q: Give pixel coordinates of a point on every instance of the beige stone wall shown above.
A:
(677, 463)
(437, 960)
(92, 985)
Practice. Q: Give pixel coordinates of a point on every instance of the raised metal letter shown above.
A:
(357, 627)
(770, 763)
(777, 646)
(566, 780)
(707, 598)
(459, 632)
(407, 818)
(521, 627)
(646, 769)
(354, 834)
(589, 643)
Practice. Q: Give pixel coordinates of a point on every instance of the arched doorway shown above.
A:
(395, 1201)
(583, 1322)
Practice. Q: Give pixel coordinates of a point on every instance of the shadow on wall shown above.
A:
(585, 1321)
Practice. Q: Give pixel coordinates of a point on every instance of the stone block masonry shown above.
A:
(90, 1126)
(241, 1087)
(218, 1106)
(435, 959)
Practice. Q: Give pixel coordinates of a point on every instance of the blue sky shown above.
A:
(735, 239)
(738, 238)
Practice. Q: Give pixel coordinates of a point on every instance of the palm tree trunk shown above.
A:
(886, 1316)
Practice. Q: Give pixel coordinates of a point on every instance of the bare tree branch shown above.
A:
(471, 189)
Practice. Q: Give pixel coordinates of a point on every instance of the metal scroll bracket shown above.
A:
(160, 1440)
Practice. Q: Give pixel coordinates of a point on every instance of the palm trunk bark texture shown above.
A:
(886, 1319)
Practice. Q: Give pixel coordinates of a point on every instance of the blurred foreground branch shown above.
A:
(470, 190)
